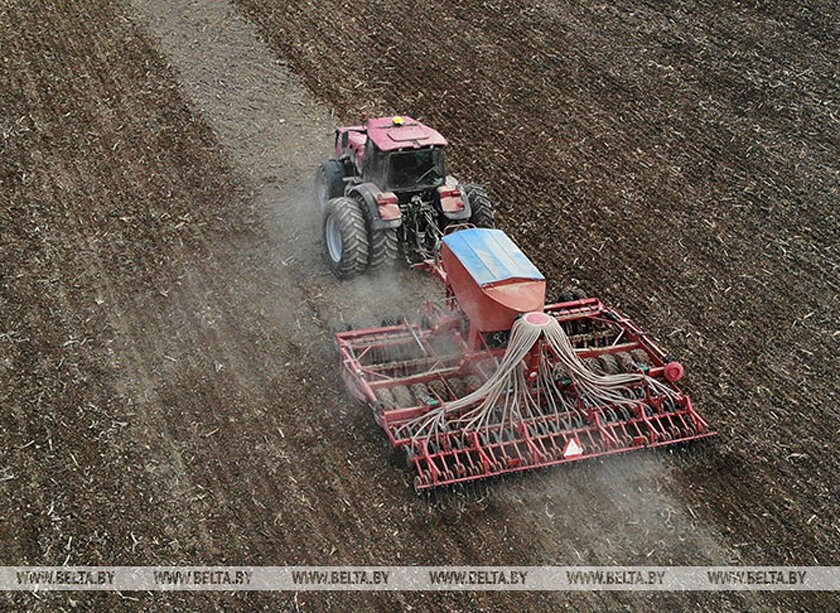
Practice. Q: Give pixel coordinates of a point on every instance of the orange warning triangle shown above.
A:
(572, 449)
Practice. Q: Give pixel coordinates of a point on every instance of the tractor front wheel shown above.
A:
(482, 214)
(345, 237)
(329, 181)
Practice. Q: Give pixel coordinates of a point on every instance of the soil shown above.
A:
(169, 388)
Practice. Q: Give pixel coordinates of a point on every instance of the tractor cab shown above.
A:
(396, 154)
(406, 170)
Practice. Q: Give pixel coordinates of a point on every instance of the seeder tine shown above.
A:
(499, 450)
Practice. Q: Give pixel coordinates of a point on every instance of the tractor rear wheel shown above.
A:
(384, 249)
(345, 237)
(329, 181)
(383, 245)
(482, 214)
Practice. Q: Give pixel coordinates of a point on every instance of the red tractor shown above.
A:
(385, 196)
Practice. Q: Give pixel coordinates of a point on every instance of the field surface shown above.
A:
(168, 388)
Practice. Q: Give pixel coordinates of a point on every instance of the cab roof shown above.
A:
(401, 132)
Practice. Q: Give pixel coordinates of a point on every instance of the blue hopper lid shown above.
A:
(490, 256)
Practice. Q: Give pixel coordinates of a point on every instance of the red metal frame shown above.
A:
(384, 358)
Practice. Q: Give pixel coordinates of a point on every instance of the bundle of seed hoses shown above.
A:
(508, 398)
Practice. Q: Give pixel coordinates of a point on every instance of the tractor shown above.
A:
(386, 197)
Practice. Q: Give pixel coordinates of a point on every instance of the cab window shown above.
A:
(418, 167)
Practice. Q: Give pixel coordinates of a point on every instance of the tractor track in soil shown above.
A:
(166, 308)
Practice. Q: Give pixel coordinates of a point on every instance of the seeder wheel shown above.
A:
(438, 388)
(594, 365)
(402, 396)
(472, 383)
(419, 390)
(458, 387)
(392, 320)
(640, 356)
(571, 294)
(387, 398)
(625, 361)
(609, 363)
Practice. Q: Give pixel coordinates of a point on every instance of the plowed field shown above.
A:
(168, 389)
